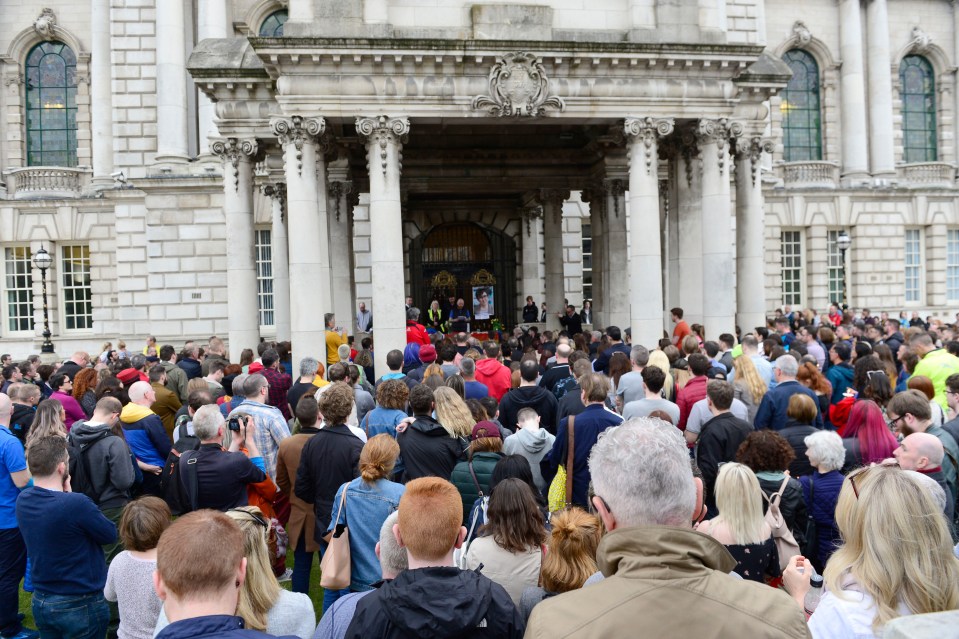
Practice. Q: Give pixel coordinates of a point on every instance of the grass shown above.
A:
(316, 592)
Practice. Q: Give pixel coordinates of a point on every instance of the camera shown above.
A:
(234, 424)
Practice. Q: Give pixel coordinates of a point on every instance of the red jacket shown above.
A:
(416, 333)
(692, 392)
(497, 377)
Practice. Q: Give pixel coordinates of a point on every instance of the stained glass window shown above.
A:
(918, 91)
(51, 105)
(272, 27)
(802, 116)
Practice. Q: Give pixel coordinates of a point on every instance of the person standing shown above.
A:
(571, 321)
(68, 578)
(335, 336)
(530, 316)
(145, 435)
(935, 363)
(176, 377)
(280, 383)
(681, 330)
(364, 320)
(167, 403)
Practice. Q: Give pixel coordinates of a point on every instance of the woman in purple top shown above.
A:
(63, 392)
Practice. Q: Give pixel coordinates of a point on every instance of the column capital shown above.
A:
(382, 130)
(337, 190)
(719, 132)
(616, 188)
(232, 150)
(552, 198)
(276, 191)
(530, 213)
(646, 130)
(753, 149)
(298, 130)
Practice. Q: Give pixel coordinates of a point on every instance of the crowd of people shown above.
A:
(524, 486)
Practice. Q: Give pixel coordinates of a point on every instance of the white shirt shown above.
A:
(849, 617)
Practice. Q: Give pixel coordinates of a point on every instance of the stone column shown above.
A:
(552, 201)
(689, 205)
(719, 298)
(281, 260)
(101, 93)
(384, 144)
(339, 190)
(881, 144)
(750, 223)
(532, 284)
(171, 84)
(212, 22)
(596, 197)
(244, 317)
(617, 288)
(308, 241)
(645, 252)
(855, 158)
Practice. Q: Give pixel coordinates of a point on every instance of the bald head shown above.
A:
(563, 351)
(81, 358)
(6, 407)
(920, 451)
(140, 393)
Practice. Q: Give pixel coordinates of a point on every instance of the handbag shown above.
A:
(785, 542)
(335, 565)
(560, 494)
(810, 549)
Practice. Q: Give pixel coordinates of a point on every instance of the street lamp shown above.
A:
(843, 241)
(42, 260)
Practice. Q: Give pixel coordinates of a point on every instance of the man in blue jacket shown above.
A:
(840, 371)
(145, 435)
(772, 410)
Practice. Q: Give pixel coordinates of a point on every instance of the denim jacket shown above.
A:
(367, 507)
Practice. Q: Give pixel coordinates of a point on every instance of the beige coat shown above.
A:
(667, 582)
(302, 521)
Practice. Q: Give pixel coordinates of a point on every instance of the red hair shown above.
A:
(866, 422)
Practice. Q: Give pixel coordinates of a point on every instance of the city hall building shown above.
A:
(241, 167)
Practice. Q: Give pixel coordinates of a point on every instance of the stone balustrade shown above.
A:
(46, 182)
(810, 175)
(935, 175)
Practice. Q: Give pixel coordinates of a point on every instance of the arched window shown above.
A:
(802, 116)
(918, 91)
(51, 105)
(272, 27)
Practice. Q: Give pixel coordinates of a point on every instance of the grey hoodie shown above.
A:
(110, 464)
(534, 446)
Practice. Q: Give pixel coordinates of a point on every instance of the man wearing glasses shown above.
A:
(909, 412)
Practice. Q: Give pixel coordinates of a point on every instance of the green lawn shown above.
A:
(316, 592)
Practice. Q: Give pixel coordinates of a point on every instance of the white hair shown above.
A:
(825, 449)
(787, 365)
(207, 420)
(393, 557)
(642, 469)
(931, 486)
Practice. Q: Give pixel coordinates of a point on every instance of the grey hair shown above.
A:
(468, 366)
(308, 366)
(596, 335)
(641, 468)
(328, 318)
(393, 557)
(412, 313)
(138, 360)
(238, 383)
(825, 447)
(787, 365)
(253, 384)
(931, 485)
(639, 355)
(207, 420)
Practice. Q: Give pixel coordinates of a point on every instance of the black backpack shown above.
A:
(79, 463)
(180, 498)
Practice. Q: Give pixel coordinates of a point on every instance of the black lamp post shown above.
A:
(42, 260)
(844, 242)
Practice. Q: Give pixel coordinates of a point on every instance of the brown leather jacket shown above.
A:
(302, 521)
(667, 582)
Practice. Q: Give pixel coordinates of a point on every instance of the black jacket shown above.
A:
(191, 367)
(718, 442)
(539, 399)
(572, 323)
(70, 368)
(222, 478)
(796, 433)
(434, 603)
(572, 403)
(20, 421)
(329, 460)
(111, 473)
(530, 313)
(792, 506)
(428, 450)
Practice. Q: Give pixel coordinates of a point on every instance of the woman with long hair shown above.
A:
(924, 385)
(511, 544)
(473, 476)
(810, 377)
(660, 360)
(619, 365)
(740, 525)
(896, 557)
(246, 358)
(579, 343)
(867, 439)
(748, 385)
(570, 560)
(84, 390)
(453, 413)
(110, 386)
(47, 421)
(369, 500)
(869, 381)
(769, 455)
(885, 355)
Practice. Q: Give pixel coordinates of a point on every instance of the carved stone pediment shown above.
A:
(518, 87)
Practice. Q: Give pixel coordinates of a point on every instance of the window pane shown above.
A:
(51, 105)
(263, 250)
(918, 93)
(802, 134)
(75, 287)
(913, 262)
(18, 287)
(272, 27)
(791, 267)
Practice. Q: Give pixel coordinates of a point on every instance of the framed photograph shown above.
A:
(483, 302)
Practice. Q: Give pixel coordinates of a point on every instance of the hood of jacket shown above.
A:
(437, 602)
(528, 396)
(84, 434)
(660, 552)
(429, 426)
(132, 413)
(845, 370)
(532, 441)
(20, 411)
(489, 366)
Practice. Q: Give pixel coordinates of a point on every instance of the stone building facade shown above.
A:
(194, 168)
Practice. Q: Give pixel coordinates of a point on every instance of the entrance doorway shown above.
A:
(467, 260)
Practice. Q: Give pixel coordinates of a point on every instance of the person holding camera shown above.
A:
(222, 475)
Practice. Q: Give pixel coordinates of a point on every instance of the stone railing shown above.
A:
(810, 175)
(46, 182)
(928, 175)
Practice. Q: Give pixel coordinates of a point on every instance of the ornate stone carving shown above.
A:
(46, 24)
(297, 130)
(614, 188)
(553, 198)
(920, 41)
(753, 148)
(595, 196)
(337, 190)
(718, 132)
(529, 214)
(646, 130)
(277, 191)
(230, 150)
(688, 147)
(380, 131)
(801, 34)
(518, 87)
(14, 79)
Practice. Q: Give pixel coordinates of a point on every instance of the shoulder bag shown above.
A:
(335, 565)
(785, 542)
(561, 488)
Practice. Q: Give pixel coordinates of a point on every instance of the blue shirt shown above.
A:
(11, 461)
(64, 533)
(476, 390)
(211, 627)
